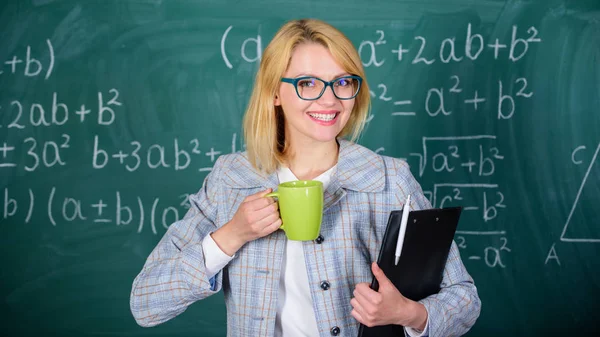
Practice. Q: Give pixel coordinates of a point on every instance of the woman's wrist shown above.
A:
(227, 240)
(419, 319)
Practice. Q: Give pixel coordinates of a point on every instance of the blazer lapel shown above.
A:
(242, 175)
(358, 169)
(332, 194)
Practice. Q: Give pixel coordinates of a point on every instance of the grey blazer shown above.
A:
(363, 190)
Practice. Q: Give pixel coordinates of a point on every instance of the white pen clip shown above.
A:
(402, 231)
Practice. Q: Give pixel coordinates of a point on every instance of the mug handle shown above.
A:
(276, 195)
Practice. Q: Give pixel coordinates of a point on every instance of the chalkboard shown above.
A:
(113, 112)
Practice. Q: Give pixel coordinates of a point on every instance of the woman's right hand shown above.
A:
(256, 217)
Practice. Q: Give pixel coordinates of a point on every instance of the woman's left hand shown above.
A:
(386, 306)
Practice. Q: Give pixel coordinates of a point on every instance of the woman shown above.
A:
(309, 95)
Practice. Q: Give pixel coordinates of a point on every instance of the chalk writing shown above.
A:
(30, 64)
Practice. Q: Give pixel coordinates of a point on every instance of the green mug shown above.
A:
(301, 208)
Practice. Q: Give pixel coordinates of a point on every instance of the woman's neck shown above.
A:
(308, 161)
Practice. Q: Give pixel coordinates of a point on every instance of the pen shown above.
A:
(406, 210)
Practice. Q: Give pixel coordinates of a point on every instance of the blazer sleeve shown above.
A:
(174, 275)
(456, 307)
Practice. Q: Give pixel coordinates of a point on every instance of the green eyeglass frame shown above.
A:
(326, 84)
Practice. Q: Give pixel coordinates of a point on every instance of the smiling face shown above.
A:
(320, 120)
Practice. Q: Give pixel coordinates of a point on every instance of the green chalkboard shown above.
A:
(112, 112)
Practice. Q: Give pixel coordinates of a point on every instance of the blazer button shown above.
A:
(325, 285)
(320, 239)
(335, 331)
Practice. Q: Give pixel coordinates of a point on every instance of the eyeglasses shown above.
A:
(312, 88)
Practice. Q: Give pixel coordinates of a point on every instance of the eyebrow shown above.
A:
(313, 75)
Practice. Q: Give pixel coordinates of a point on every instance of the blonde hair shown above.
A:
(263, 124)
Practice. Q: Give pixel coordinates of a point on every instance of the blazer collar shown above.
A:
(358, 169)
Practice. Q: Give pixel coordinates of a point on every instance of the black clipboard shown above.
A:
(427, 241)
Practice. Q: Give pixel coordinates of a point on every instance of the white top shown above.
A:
(295, 313)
